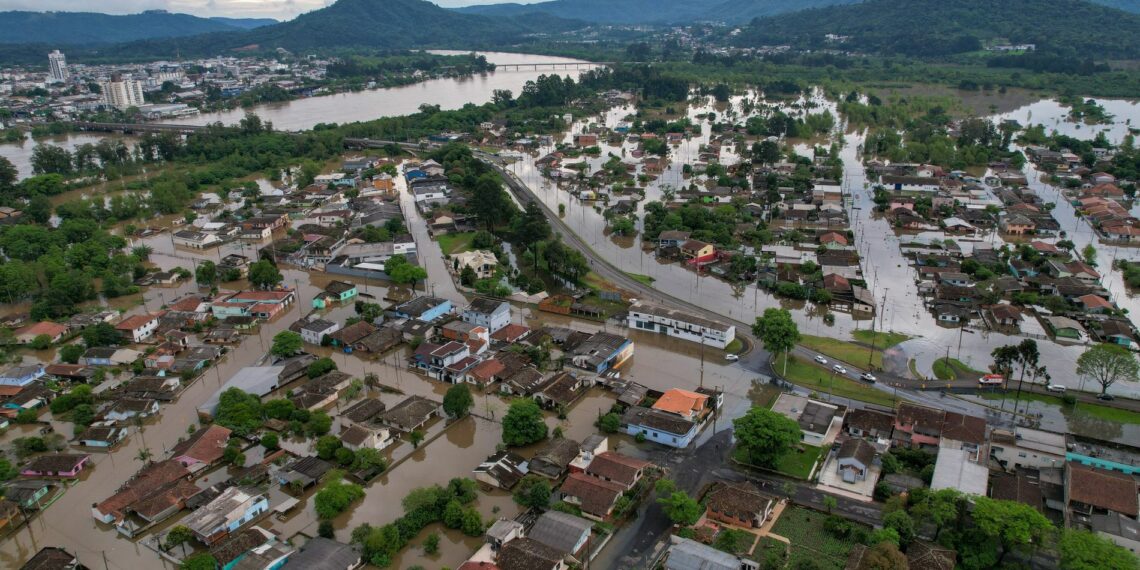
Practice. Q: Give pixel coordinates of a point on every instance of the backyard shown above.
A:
(796, 463)
(452, 244)
(824, 381)
(812, 539)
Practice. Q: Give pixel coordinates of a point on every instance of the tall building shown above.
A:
(58, 64)
(122, 93)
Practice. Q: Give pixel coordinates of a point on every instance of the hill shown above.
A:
(246, 23)
(679, 11)
(77, 28)
(922, 28)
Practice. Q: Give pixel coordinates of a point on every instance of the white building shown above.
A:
(1025, 447)
(692, 328)
(313, 331)
(482, 262)
(57, 63)
(122, 93)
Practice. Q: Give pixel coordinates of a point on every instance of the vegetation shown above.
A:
(811, 538)
(523, 424)
(286, 343)
(422, 507)
(336, 495)
(533, 492)
(779, 333)
(844, 351)
(881, 340)
(813, 377)
(1083, 550)
(1108, 364)
(457, 402)
(952, 369)
(678, 506)
(765, 436)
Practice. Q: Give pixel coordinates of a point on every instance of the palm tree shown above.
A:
(144, 455)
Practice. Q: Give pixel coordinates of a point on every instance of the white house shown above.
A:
(138, 327)
(313, 331)
(357, 437)
(490, 313)
(652, 318)
(195, 240)
(482, 262)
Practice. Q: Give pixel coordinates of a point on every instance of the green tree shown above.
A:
(336, 496)
(458, 401)
(1083, 550)
(101, 334)
(239, 411)
(609, 423)
(326, 529)
(523, 423)
(70, 353)
(533, 492)
(777, 331)
(431, 543)
(263, 274)
(416, 437)
(40, 342)
(400, 271)
(1107, 364)
(286, 343)
(270, 442)
(830, 503)
(202, 561)
(320, 367)
(206, 274)
(765, 435)
(1012, 523)
(681, 508)
(902, 523)
(883, 555)
(1088, 254)
(179, 535)
(319, 424)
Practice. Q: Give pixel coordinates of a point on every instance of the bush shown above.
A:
(270, 442)
(336, 496)
(609, 423)
(533, 491)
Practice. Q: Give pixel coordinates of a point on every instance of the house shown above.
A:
(594, 496)
(960, 431)
(1094, 303)
(482, 262)
(425, 309)
(661, 320)
(688, 405)
(617, 468)
(28, 494)
(303, 472)
(139, 327)
(62, 465)
(854, 459)
(101, 436)
(21, 375)
(819, 421)
(561, 390)
(599, 352)
(833, 240)
(917, 426)
(240, 545)
(315, 330)
(337, 292)
(351, 334)
(256, 304)
(1090, 491)
(862, 422)
(686, 554)
(127, 408)
(528, 554)
(672, 238)
(586, 140)
(660, 427)
(203, 448)
(357, 437)
(553, 457)
(1065, 328)
(325, 554)
(154, 481)
(1123, 531)
(1117, 332)
(697, 252)
(1018, 224)
(411, 414)
(956, 469)
(503, 470)
(922, 555)
(52, 558)
(54, 331)
(195, 240)
(225, 514)
(563, 532)
(1024, 447)
(739, 504)
(364, 411)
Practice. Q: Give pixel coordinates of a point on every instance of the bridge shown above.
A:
(553, 65)
(137, 128)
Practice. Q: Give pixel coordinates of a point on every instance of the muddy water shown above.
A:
(20, 154)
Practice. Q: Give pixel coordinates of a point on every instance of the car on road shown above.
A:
(731, 357)
(1056, 388)
(1105, 397)
(820, 359)
(840, 369)
(867, 376)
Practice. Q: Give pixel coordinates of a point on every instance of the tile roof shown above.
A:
(596, 496)
(870, 420)
(960, 427)
(55, 462)
(616, 467)
(1104, 489)
(857, 449)
(148, 480)
(205, 445)
(681, 402)
(739, 500)
(528, 554)
(560, 531)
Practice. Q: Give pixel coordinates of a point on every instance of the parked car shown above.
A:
(1056, 388)
(840, 369)
(868, 377)
(1106, 397)
(820, 359)
(731, 357)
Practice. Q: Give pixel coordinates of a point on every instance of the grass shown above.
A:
(734, 346)
(952, 369)
(820, 380)
(452, 244)
(912, 364)
(596, 282)
(882, 340)
(795, 463)
(1097, 411)
(810, 540)
(848, 352)
(643, 279)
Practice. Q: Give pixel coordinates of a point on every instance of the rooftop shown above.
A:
(681, 316)
(1103, 489)
(560, 531)
(954, 470)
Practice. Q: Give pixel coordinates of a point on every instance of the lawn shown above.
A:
(793, 464)
(952, 369)
(821, 381)
(452, 244)
(734, 346)
(882, 340)
(811, 540)
(848, 352)
(643, 279)
(1097, 411)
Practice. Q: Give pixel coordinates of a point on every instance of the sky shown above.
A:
(276, 9)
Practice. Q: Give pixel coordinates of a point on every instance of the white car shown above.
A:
(1056, 388)
(731, 357)
(867, 376)
(840, 369)
(820, 359)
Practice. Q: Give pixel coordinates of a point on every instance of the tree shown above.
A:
(523, 423)
(1088, 254)
(179, 535)
(416, 437)
(50, 159)
(319, 424)
(327, 445)
(320, 367)
(1108, 364)
(202, 561)
(206, 274)
(431, 543)
(902, 523)
(336, 496)
(458, 401)
(1012, 523)
(400, 271)
(609, 423)
(681, 508)
(883, 556)
(286, 343)
(70, 353)
(270, 442)
(326, 529)
(533, 492)
(765, 435)
(40, 342)
(39, 209)
(264, 274)
(239, 411)
(777, 331)
(101, 334)
(830, 503)
(1083, 550)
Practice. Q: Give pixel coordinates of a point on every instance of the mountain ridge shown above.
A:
(79, 28)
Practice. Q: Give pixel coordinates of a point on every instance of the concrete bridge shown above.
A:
(552, 65)
(137, 128)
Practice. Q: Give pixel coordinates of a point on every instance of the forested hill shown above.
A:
(75, 28)
(941, 27)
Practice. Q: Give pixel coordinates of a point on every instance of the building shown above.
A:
(425, 309)
(528, 554)
(52, 558)
(28, 334)
(1025, 447)
(674, 323)
(57, 67)
(563, 532)
(594, 496)
(21, 375)
(1115, 458)
(195, 240)
(325, 554)
(156, 480)
(697, 252)
(1124, 531)
(225, 514)
(203, 448)
(685, 554)
(122, 93)
(819, 421)
(1090, 491)
(688, 405)
(660, 427)
(101, 436)
(600, 352)
(336, 292)
(739, 504)
(482, 262)
(503, 470)
(357, 437)
(917, 426)
(854, 460)
(862, 422)
(256, 304)
(954, 469)
(411, 414)
(62, 465)
(139, 327)
(315, 330)
(493, 314)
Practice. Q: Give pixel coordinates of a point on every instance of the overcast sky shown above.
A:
(277, 9)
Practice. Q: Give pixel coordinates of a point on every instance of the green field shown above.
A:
(735, 346)
(820, 380)
(643, 279)
(793, 464)
(810, 540)
(848, 352)
(452, 244)
(882, 340)
(1097, 411)
(952, 369)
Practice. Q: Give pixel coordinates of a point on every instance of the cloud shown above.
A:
(278, 9)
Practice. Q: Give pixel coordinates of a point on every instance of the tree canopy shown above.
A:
(1108, 364)
(765, 435)
(523, 423)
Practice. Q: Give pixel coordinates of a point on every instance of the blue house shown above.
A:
(21, 375)
(660, 427)
(337, 291)
(600, 352)
(1120, 459)
(415, 174)
(426, 309)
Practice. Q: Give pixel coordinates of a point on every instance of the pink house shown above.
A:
(63, 465)
(917, 426)
(203, 448)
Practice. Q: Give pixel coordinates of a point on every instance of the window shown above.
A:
(1021, 454)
